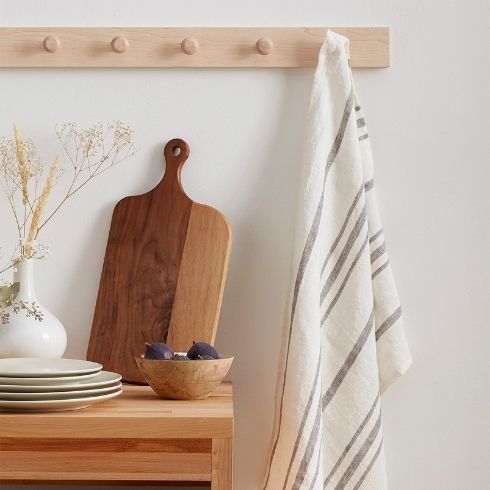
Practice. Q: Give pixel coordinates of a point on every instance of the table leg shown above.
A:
(222, 464)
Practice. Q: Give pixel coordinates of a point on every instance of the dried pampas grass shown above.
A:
(41, 202)
(28, 184)
(90, 151)
(24, 172)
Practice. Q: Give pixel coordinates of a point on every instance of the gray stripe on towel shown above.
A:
(361, 122)
(378, 252)
(351, 442)
(389, 322)
(349, 361)
(299, 278)
(376, 235)
(369, 185)
(315, 476)
(303, 420)
(369, 466)
(310, 448)
(356, 231)
(380, 269)
(342, 229)
(363, 137)
(361, 454)
(327, 398)
(344, 282)
(305, 257)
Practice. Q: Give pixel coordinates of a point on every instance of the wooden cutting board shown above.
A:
(163, 274)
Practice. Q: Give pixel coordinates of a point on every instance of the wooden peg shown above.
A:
(189, 45)
(120, 44)
(51, 44)
(264, 45)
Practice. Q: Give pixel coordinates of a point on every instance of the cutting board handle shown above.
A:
(176, 153)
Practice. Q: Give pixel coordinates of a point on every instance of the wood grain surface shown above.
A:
(222, 464)
(184, 380)
(159, 47)
(140, 271)
(94, 465)
(201, 281)
(127, 445)
(163, 274)
(137, 413)
(136, 437)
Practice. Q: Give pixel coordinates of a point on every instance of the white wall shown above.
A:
(428, 119)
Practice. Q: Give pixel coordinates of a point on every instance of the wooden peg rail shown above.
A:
(187, 47)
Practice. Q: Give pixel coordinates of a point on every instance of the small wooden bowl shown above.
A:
(183, 380)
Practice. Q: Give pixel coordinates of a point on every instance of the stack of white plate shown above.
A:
(45, 385)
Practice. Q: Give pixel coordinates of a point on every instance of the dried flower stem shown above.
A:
(24, 173)
(82, 146)
(22, 176)
(41, 202)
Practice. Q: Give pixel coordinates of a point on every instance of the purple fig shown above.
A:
(205, 357)
(158, 350)
(202, 349)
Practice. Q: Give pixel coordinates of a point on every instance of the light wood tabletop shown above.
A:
(134, 437)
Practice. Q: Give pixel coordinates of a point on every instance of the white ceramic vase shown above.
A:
(25, 336)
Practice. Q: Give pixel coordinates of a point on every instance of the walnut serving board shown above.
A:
(163, 275)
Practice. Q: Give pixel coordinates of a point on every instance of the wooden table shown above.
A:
(134, 438)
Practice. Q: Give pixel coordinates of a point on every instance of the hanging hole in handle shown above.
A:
(176, 151)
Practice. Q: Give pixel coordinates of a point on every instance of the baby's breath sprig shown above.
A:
(91, 152)
(27, 182)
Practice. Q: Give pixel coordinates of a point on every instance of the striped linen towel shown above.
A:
(343, 342)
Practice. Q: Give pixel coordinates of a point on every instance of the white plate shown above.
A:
(33, 367)
(59, 395)
(54, 405)
(56, 380)
(97, 380)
